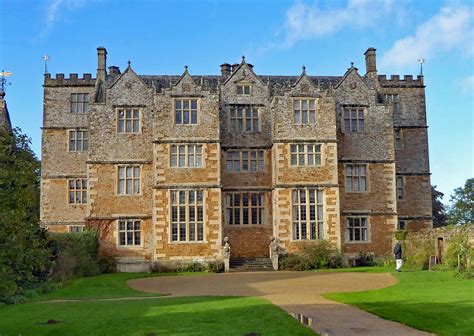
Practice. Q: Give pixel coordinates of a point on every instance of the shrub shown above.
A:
(193, 267)
(107, 264)
(365, 259)
(75, 255)
(216, 266)
(417, 249)
(385, 261)
(313, 256)
(164, 268)
(457, 252)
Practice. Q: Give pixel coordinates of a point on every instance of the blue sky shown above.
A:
(278, 37)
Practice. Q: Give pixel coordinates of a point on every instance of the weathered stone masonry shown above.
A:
(167, 166)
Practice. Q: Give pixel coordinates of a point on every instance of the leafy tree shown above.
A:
(439, 210)
(23, 245)
(462, 204)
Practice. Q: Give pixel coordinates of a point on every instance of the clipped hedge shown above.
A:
(74, 255)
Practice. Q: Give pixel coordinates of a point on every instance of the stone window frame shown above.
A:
(183, 110)
(76, 228)
(83, 140)
(245, 158)
(357, 130)
(245, 211)
(308, 110)
(233, 118)
(306, 154)
(79, 99)
(199, 207)
(240, 89)
(126, 230)
(367, 228)
(77, 187)
(186, 154)
(400, 187)
(393, 99)
(133, 179)
(313, 212)
(398, 139)
(357, 177)
(132, 119)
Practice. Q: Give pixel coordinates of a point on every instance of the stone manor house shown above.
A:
(166, 166)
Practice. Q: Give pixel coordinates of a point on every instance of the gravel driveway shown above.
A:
(296, 292)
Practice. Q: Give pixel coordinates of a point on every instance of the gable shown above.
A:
(129, 89)
(304, 87)
(352, 89)
(186, 85)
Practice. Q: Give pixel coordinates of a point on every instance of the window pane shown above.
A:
(297, 117)
(194, 117)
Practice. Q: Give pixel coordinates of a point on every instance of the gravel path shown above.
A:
(296, 292)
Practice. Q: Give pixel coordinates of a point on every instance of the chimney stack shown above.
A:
(114, 70)
(234, 67)
(101, 63)
(226, 70)
(370, 61)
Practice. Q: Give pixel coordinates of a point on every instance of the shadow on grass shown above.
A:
(443, 318)
(167, 316)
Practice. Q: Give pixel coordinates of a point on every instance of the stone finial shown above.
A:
(185, 68)
(243, 59)
(352, 64)
(303, 70)
(129, 63)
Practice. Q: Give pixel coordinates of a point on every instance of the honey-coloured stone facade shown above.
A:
(162, 183)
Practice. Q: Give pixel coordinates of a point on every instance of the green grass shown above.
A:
(97, 287)
(431, 301)
(163, 316)
(167, 316)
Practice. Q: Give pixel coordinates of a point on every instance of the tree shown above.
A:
(462, 204)
(23, 244)
(439, 210)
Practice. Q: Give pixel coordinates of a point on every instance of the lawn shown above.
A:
(431, 301)
(97, 287)
(163, 316)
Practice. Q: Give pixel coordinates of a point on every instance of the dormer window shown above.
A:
(244, 89)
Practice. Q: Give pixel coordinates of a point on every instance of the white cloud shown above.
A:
(452, 28)
(307, 22)
(56, 7)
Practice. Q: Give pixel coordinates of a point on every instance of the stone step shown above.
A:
(250, 264)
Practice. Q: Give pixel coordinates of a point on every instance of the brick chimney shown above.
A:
(370, 61)
(101, 63)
